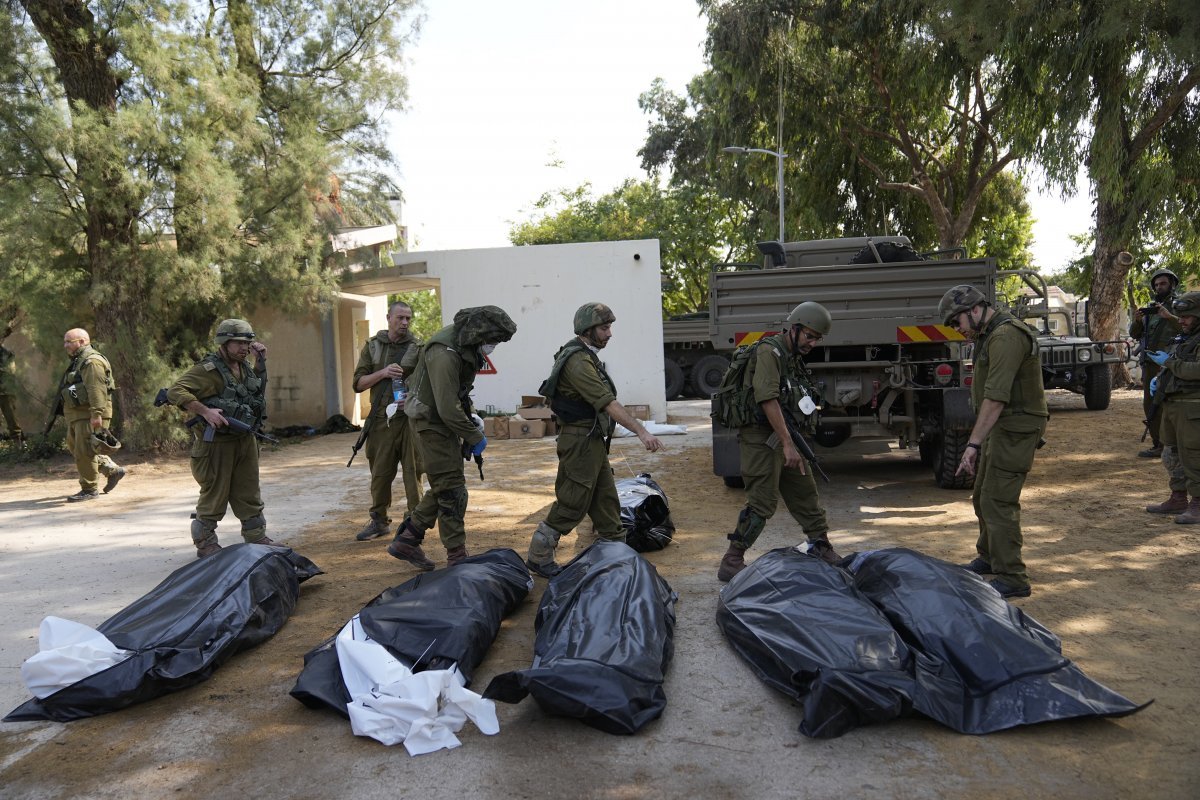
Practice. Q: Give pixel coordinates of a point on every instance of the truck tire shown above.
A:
(928, 448)
(707, 374)
(1097, 387)
(950, 446)
(674, 378)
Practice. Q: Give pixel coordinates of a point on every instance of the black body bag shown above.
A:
(645, 515)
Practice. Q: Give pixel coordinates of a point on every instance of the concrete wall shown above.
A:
(541, 287)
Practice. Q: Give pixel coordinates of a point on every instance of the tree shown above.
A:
(168, 163)
(695, 229)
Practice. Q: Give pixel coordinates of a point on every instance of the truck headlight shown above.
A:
(1084, 354)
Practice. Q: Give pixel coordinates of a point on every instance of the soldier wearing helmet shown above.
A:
(1154, 326)
(584, 398)
(781, 384)
(1010, 418)
(86, 390)
(224, 385)
(1178, 386)
(439, 405)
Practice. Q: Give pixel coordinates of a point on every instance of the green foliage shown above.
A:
(163, 162)
(694, 228)
(427, 312)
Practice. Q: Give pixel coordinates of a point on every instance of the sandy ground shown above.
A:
(1121, 587)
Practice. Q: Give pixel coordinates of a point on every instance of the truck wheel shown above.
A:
(734, 482)
(674, 378)
(1097, 387)
(707, 374)
(928, 448)
(949, 452)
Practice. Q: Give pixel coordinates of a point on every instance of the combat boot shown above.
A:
(204, 536)
(113, 479)
(824, 550)
(732, 563)
(378, 526)
(455, 555)
(407, 546)
(1192, 515)
(1177, 503)
(542, 545)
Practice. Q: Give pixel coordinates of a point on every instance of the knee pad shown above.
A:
(749, 526)
(255, 522)
(202, 529)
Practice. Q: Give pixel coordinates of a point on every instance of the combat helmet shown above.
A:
(234, 330)
(1161, 272)
(1187, 304)
(104, 443)
(960, 298)
(590, 315)
(813, 316)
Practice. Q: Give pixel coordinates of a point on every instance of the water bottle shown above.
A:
(399, 392)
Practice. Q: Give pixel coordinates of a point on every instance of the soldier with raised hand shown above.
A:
(781, 383)
(390, 439)
(1155, 326)
(1178, 383)
(439, 404)
(86, 390)
(1010, 419)
(222, 386)
(584, 399)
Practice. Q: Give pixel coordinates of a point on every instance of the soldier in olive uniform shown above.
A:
(86, 389)
(8, 392)
(1010, 418)
(390, 439)
(772, 467)
(1178, 383)
(224, 386)
(1155, 326)
(584, 400)
(439, 404)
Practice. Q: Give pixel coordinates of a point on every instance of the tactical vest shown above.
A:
(1027, 384)
(734, 401)
(570, 409)
(73, 389)
(241, 400)
(421, 403)
(382, 392)
(1185, 348)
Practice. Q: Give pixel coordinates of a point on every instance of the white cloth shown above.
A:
(391, 704)
(655, 428)
(68, 652)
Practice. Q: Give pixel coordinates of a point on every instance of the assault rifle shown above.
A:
(234, 424)
(362, 437)
(54, 415)
(799, 441)
(466, 454)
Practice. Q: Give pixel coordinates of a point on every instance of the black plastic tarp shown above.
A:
(185, 628)
(605, 635)
(645, 514)
(437, 619)
(901, 632)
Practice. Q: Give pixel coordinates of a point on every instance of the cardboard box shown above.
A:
(535, 412)
(489, 427)
(499, 428)
(532, 400)
(526, 428)
(551, 427)
(639, 412)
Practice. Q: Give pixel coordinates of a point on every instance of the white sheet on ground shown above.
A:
(391, 704)
(67, 653)
(656, 428)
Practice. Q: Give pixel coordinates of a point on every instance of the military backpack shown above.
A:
(733, 403)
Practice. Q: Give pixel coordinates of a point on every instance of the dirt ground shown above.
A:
(1120, 587)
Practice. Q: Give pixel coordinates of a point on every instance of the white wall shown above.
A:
(540, 287)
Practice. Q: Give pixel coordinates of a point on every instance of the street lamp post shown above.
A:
(779, 157)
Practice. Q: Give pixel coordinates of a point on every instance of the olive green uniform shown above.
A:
(227, 467)
(390, 443)
(1008, 370)
(8, 392)
(774, 375)
(1157, 333)
(442, 382)
(1179, 385)
(585, 485)
(86, 390)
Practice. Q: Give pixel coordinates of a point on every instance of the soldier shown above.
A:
(86, 389)
(584, 399)
(8, 392)
(439, 403)
(1155, 326)
(1010, 418)
(389, 433)
(777, 383)
(220, 387)
(1179, 385)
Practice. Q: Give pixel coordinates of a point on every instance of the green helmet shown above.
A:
(590, 315)
(234, 330)
(1160, 273)
(961, 298)
(813, 316)
(104, 443)
(1187, 305)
